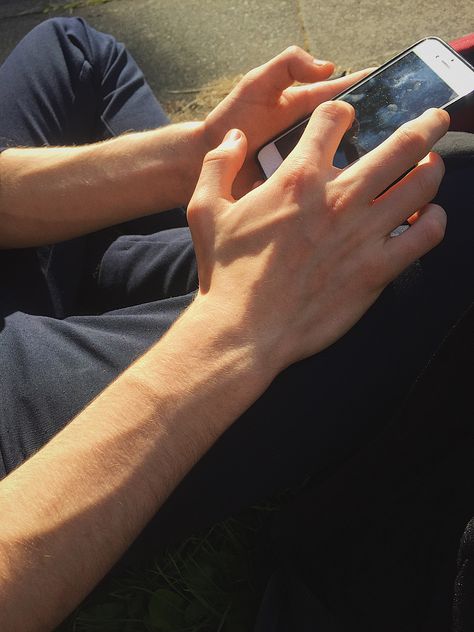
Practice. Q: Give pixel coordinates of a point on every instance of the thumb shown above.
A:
(221, 166)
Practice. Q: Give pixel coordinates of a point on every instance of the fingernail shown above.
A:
(231, 138)
(320, 62)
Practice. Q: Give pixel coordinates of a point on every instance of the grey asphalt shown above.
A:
(183, 44)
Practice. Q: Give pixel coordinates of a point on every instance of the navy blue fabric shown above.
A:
(375, 543)
(67, 84)
(75, 315)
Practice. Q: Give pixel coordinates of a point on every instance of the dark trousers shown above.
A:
(74, 315)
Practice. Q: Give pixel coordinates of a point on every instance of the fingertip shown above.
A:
(425, 233)
(435, 219)
(444, 115)
(324, 132)
(438, 160)
(321, 62)
(336, 109)
(322, 70)
(232, 138)
(307, 62)
(440, 114)
(436, 209)
(221, 166)
(352, 115)
(325, 65)
(433, 208)
(447, 118)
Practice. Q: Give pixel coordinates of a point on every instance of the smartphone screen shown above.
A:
(403, 91)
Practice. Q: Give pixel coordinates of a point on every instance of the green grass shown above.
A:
(212, 582)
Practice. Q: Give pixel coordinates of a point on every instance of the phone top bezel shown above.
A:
(389, 62)
(455, 73)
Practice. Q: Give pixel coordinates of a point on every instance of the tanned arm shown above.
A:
(51, 194)
(284, 272)
(71, 510)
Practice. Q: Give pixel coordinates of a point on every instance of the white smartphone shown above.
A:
(428, 74)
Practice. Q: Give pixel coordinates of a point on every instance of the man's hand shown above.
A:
(284, 271)
(265, 103)
(106, 183)
(298, 260)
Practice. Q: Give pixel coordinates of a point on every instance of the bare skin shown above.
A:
(105, 183)
(310, 251)
(325, 247)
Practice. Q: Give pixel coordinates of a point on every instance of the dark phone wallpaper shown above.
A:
(400, 93)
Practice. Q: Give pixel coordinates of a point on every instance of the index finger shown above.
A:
(329, 88)
(323, 133)
(310, 95)
(375, 172)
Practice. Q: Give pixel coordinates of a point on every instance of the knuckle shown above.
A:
(200, 212)
(339, 200)
(294, 181)
(201, 202)
(298, 181)
(294, 51)
(196, 206)
(215, 155)
(252, 76)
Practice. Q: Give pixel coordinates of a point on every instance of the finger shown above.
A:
(311, 95)
(426, 233)
(381, 167)
(293, 64)
(324, 132)
(414, 191)
(220, 168)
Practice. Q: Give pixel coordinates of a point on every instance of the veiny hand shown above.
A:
(297, 261)
(265, 102)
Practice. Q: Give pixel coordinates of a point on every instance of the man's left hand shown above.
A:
(266, 102)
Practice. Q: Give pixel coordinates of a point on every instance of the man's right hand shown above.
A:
(298, 260)
(284, 271)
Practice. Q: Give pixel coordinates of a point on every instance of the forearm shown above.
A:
(52, 194)
(73, 508)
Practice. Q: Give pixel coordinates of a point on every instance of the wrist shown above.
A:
(191, 148)
(233, 332)
(218, 370)
(162, 164)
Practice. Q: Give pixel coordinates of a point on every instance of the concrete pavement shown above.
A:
(183, 44)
